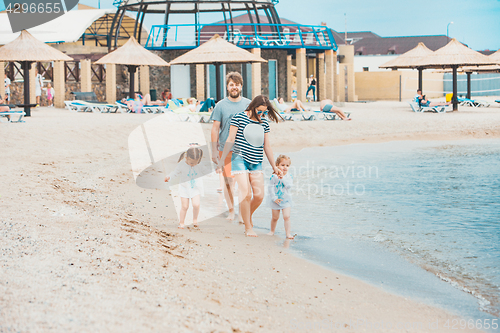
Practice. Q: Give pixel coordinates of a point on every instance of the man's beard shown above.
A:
(234, 93)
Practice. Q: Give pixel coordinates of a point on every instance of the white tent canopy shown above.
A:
(75, 23)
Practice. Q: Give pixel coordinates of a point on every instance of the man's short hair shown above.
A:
(235, 77)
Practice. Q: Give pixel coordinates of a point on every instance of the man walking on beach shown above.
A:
(223, 113)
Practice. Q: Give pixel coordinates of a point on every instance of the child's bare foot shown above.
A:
(250, 233)
(271, 233)
(195, 224)
(181, 226)
(289, 237)
(230, 217)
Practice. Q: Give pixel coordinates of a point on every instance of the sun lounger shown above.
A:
(123, 108)
(83, 106)
(474, 103)
(438, 109)
(330, 115)
(185, 114)
(15, 116)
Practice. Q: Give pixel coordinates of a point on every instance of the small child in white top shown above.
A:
(280, 196)
(189, 172)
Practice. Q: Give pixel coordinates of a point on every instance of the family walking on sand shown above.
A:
(240, 137)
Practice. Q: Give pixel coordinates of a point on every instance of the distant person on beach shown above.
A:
(249, 133)
(312, 86)
(423, 102)
(50, 95)
(190, 184)
(296, 105)
(223, 113)
(326, 105)
(280, 198)
(38, 86)
(7, 83)
(139, 101)
(166, 95)
(4, 108)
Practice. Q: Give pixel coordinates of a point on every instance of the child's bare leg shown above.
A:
(229, 195)
(245, 197)
(286, 217)
(274, 220)
(195, 201)
(182, 214)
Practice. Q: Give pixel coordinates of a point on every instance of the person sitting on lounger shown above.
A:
(423, 102)
(4, 108)
(296, 105)
(327, 106)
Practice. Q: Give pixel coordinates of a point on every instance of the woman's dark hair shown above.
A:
(193, 153)
(259, 101)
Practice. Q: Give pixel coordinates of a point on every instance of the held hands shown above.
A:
(278, 172)
(167, 179)
(278, 201)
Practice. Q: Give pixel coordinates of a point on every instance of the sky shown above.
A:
(475, 22)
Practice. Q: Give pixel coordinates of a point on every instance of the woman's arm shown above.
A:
(269, 154)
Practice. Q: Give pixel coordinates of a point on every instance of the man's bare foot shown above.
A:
(181, 226)
(250, 233)
(195, 224)
(271, 233)
(289, 237)
(230, 217)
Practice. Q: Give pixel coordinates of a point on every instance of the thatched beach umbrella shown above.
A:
(409, 60)
(217, 51)
(26, 49)
(454, 55)
(132, 54)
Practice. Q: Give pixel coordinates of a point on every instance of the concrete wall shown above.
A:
(388, 86)
(372, 62)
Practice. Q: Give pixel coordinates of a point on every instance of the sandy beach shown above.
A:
(85, 249)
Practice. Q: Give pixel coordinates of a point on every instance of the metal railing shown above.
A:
(245, 35)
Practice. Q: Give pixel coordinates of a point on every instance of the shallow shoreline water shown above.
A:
(351, 188)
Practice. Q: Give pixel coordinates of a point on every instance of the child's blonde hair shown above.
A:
(193, 153)
(281, 158)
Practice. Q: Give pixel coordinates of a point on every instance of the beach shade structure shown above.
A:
(409, 60)
(454, 55)
(217, 51)
(132, 55)
(26, 50)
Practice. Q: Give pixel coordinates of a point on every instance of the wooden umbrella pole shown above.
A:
(217, 79)
(420, 69)
(132, 69)
(26, 70)
(455, 99)
(468, 84)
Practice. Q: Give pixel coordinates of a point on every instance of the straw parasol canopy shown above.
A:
(410, 58)
(132, 54)
(26, 49)
(217, 51)
(454, 55)
(495, 57)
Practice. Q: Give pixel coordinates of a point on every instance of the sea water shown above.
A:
(418, 218)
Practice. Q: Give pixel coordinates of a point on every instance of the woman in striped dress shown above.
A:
(249, 133)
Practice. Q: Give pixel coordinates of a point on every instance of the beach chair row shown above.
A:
(438, 109)
(310, 115)
(183, 114)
